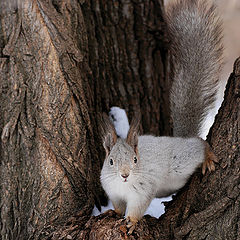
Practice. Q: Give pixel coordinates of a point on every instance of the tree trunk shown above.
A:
(63, 63)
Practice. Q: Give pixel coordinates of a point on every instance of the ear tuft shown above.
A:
(109, 135)
(132, 137)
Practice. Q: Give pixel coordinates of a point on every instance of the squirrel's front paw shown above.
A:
(118, 212)
(210, 159)
(131, 223)
(109, 212)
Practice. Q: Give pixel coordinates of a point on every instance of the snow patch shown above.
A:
(155, 209)
(119, 119)
(96, 212)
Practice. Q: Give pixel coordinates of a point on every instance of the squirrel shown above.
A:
(140, 168)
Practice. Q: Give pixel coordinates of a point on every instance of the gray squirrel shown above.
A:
(140, 168)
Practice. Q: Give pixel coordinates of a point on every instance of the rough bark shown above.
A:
(62, 63)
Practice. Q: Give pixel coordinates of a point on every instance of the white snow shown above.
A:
(96, 212)
(155, 209)
(120, 121)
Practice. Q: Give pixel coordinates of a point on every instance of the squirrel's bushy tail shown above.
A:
(196, 47)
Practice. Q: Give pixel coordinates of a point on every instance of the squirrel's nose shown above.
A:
(125, 175)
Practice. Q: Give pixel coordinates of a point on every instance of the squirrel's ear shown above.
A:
(132, 137)
(108, 134)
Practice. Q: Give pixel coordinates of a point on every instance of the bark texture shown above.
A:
(206, 208)
(62, 63)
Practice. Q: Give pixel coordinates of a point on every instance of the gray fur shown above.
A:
(196, 33)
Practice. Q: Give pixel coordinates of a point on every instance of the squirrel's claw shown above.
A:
(210, 159)
(109, 212)
(204, 168)
(131, 224)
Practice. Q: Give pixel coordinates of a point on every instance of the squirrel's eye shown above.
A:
(111, 161)
(135, 160)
